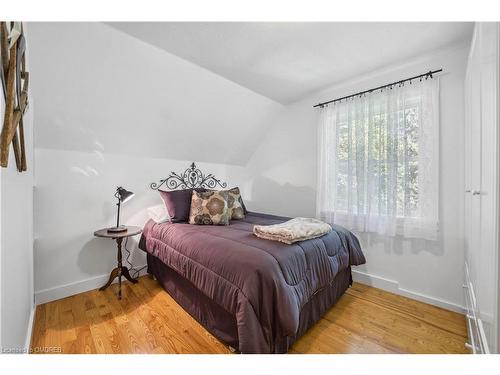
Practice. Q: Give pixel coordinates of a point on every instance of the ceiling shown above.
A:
(285, 61)
(125, 97)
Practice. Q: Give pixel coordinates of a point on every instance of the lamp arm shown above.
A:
(118, 215)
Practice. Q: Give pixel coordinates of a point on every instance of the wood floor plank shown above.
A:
(148, 320)
(52, 337)
(179, 329)
(198, 338)
(329, 338)
(434, 315)
(393, 328)
(84, 343)
(38, 336)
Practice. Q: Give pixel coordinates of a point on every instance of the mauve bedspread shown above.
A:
(263, 283)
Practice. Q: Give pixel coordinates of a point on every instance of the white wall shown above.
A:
(113, 110)
(284, 171)
(16, 244)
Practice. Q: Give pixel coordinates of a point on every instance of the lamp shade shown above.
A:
(124, 195)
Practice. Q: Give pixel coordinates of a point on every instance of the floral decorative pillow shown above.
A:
(235, 204)
(209, 208)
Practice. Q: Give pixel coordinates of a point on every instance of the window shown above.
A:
(378, 167)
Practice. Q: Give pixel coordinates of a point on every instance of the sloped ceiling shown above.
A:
(285, 61)
(96, 89)
(197, 91)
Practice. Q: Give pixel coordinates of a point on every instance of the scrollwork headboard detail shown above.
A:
(191, 178)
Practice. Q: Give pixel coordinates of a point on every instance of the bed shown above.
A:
(255, 295)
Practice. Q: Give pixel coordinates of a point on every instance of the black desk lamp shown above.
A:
(123, 196)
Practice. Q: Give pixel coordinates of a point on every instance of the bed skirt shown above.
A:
(222, 324)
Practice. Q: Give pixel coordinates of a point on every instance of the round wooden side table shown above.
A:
(120, 269)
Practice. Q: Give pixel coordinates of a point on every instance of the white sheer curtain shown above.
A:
(378, 161)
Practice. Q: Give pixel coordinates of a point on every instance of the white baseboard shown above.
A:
(62, 291)
(29, 331)
(375, 281)
(393, 287)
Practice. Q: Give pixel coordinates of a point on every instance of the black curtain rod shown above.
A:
(428, 74)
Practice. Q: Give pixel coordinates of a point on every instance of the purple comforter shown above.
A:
(263, 283)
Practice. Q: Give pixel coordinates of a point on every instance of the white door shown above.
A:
(481, 187)
(487, 197)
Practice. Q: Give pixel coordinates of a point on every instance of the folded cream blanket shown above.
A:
(298, 229)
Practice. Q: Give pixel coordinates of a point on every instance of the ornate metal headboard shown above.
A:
(191, 178)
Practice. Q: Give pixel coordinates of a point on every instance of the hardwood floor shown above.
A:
(148, 320)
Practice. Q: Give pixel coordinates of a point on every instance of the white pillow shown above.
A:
(158, 213)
